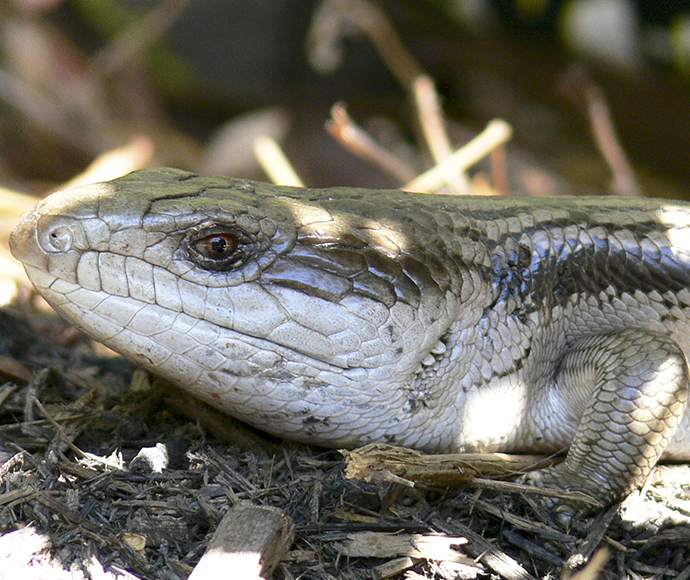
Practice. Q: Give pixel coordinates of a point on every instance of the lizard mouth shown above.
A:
(188, 350)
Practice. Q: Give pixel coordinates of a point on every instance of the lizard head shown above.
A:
(279, 305)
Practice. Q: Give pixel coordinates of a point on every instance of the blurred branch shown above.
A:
(369, 19)
(359, 142)
(496, 133)
(274, 162)
(135, 39)
(433, 127)
(581, 89)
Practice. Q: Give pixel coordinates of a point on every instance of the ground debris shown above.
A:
(81, 507)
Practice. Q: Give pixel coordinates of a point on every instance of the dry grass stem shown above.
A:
(579, 86)
(359, 142)
(496, 133)
(115, 163)
(433, 127)
(60, 431)
(274, 162)
(514, 487)
(370, 20)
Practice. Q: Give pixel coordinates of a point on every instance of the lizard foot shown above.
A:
(637, 389)
(580, 494)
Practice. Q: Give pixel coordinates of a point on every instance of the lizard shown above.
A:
(344, 316)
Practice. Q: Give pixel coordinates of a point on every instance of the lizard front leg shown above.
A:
(638, 382)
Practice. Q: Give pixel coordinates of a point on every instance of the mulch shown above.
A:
(108, 473)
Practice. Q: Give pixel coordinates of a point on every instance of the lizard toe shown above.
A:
(578, 495)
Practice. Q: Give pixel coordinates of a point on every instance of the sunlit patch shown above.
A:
(386, 238)
(492, 413)
(307, 213)
(678, 234)
(674, 216)
(679, 240)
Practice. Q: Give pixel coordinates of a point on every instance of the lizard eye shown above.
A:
(219, 248)
(216, 246)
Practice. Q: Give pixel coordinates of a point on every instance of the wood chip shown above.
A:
(382, 545)
(487, 553)
(393, 567)
(387, 463)
(248, 544)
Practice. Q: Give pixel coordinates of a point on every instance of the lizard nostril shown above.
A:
(58, 239)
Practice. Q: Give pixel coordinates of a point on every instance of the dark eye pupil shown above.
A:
(216, 246)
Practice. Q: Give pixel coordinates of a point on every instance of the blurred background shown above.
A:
(193, 83)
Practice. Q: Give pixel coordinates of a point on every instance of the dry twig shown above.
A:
(433, 126)
(383, 462)
(577, 84)
(274, 162)
(357, 140)
(370, 20)
(496, 133)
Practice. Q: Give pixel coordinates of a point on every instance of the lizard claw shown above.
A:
(578, 493)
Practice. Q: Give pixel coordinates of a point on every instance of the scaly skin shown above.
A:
(342, 317)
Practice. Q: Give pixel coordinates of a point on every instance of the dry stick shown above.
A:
(484, 552)
(407, 70)
(377, 27)
(433, 126)
(374, 23)
(499, 170)
(380, 462)
(522, 523)
(496, 133)
(137, 37)
(595, 534)
(248, 544)
(624, 182)
(359, 142)
(534, 549)
(579, 87)
(60, 431)
(274, 162)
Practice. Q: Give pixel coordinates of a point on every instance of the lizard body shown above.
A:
(341, 317)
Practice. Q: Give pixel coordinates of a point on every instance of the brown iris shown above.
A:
(219, 246)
